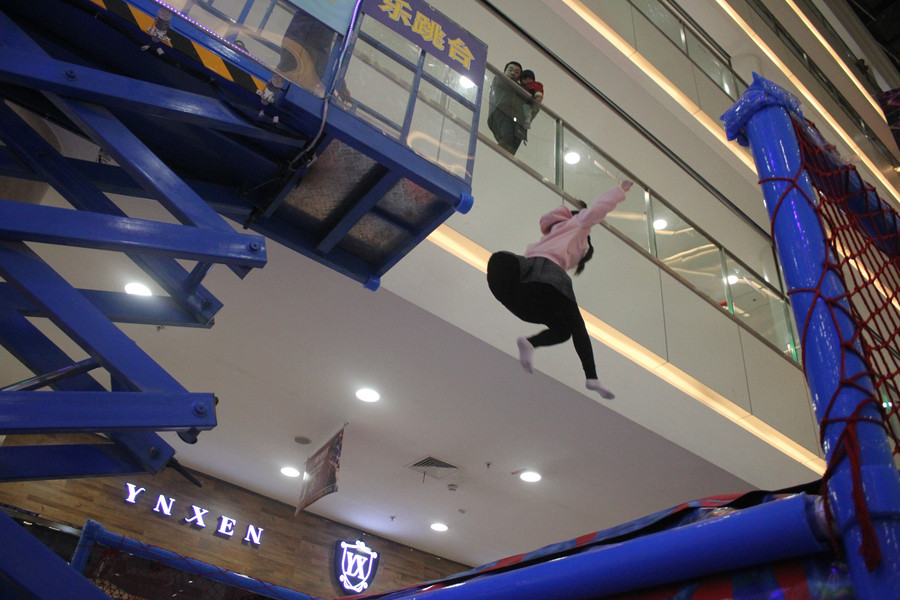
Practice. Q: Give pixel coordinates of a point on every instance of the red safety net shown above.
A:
(125, 576)
(863, 250)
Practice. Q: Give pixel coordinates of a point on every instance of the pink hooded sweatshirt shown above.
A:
(565, 236)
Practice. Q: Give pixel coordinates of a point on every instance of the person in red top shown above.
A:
(537, 288)
(536, 89)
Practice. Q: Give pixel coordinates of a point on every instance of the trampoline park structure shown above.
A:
(194, 120)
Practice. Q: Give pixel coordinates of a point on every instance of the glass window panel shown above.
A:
(440, 130)
(617, 15)
(664, 20)
(538, 151)
(629, 217)
(452, 79)
(688, 252)
(581, 176)
(268, 42)
(214, 17)
(759, 306)
(379, 86)
(393, 40)
(709, 62)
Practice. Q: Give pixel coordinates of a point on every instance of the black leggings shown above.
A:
(537, 302)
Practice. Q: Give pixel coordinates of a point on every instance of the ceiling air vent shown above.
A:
(433, 467)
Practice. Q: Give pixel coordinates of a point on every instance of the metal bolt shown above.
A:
(154, 452)
(71, 74)
(199, 409)
(254, 247)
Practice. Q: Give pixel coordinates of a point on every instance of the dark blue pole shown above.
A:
(762, 118)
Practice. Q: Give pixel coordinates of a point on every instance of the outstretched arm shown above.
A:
(603, 205)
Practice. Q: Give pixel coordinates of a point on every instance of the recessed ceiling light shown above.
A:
(732, 279)
(290, 472)
(137, 289)
(368, 395)
(439, 527)
(466, 83)
(660, 224)
(530, 476)
(572, 157)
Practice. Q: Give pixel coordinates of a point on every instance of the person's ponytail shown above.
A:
(587, 256)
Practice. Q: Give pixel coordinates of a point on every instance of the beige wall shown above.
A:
(294, 551)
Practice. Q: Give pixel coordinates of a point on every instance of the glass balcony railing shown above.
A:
(699, 69)
(558, 155)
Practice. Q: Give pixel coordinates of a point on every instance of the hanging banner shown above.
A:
(322, 470)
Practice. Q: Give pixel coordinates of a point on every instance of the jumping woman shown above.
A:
(537, 288)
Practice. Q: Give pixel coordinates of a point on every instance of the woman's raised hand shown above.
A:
(626, 185)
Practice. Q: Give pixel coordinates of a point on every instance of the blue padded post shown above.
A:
(762, 118)
(758, 535)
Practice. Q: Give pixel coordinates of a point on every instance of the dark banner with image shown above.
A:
(322, 469)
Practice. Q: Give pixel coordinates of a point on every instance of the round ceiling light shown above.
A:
(368, 395)
(530, 476)
(137, 289)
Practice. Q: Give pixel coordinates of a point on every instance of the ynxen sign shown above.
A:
(196, 516)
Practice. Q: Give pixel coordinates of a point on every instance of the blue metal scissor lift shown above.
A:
(194, 122)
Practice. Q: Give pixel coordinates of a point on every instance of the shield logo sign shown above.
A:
(354, 565)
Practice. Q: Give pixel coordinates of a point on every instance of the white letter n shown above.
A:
(163, 506)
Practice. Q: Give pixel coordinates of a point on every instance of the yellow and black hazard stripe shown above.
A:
(184, 45)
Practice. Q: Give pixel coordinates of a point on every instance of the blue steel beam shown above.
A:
(118, 307)
(110, 179)
(144, 166)
(78, 82)
(81, 321)
(89, 412)
(368, 192)
(52, 167)
(29, 569)
(33, 349)
(417, 239)
(139, 451)
(48, 224)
